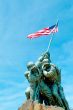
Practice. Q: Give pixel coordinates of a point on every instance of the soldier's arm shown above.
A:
(43, 55)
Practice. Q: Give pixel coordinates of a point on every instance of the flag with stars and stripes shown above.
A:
(44, 31)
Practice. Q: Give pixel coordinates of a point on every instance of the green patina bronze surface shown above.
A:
(45, 82)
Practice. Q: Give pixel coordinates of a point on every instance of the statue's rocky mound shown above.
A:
(30, 105)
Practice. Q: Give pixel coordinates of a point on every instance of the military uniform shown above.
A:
(45, 92)
(53, 79)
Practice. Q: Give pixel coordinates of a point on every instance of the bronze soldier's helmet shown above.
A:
(30, 65)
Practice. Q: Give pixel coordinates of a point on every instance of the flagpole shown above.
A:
(49, 43)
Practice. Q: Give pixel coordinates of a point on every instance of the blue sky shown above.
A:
(18, 18)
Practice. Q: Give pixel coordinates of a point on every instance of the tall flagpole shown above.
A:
(49, 43)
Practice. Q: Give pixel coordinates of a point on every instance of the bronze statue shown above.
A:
(45, 82)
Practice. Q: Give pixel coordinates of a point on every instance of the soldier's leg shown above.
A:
(27, 93)
(32, 94)
(41, 98)
(56, 95)
(45, 90)
(38, 96)
(61, 92)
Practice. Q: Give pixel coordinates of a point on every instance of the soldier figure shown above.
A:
(37, 84)
(42, 96)
(53, 79)
(45, 92)
(32, 78)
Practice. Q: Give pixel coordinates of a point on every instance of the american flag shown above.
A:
(44, 31)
